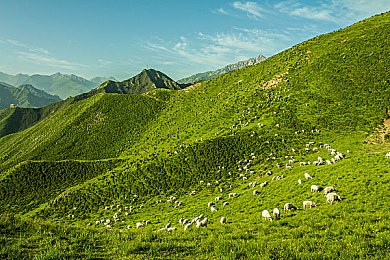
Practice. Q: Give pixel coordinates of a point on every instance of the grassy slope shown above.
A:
(336, 82)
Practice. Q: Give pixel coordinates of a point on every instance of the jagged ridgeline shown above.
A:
(105, 148)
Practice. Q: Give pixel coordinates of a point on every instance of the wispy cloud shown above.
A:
(336, 11)
(40, 56)
(221, 11)
(252, 9)
(104, 63)
(221, 48)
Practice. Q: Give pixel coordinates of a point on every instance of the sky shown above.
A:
(178, 37)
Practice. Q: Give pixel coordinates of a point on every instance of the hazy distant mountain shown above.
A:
(212, 74)
(24, 96)
(100, 80)
(63, 85)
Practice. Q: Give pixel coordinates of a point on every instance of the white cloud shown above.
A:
(252, 9)
(221, 48)
(336, 11)
(104, 63)
(222, 11)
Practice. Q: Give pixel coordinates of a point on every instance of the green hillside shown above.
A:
(120, 159)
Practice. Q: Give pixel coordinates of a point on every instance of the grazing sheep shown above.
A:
(97, 222)
(273, 178)
(218, 198)
(265, 214)
(185, 222)
(289, 206)
(223, 220)
(187, 226)
(308, 204)
(387, 155)
(148, 222)
(213, 209)
(299, 182)
(210, 204)
(225, 203)
(202, 223)
(171, 229)
(139, 224)
(276, 213)
(314, 188)
(128, 227)
(255, 192)
(168, 225)
(181, 221)
(263, 184)
(329, 189)
(307, 176)
(231, 195)
(332, 197)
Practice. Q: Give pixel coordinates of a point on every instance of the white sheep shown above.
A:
(218, 198)
(185, 222)
(276, 213)
(255, 192)
(307, 176)
(314, 188)
(202, 223)
(210, 204)
(231, 195)
(332, 197)
(308, 203)
(265, 214)
(263, 184)
(387, 155)
(328, 190)
(187, 226)
(168, 225)
(139, 224)
(299, 181)
(213, 209)
(171, 229)
(289, 206)
(225, 203)
(223, 220)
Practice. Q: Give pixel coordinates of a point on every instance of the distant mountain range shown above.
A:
(24, 96)
(63, 85)
(212, 74)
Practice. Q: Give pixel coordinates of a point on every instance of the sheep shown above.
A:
(202, 223)
(223, 220)
(263, 184)
(276, 213)
(210, 204)
(231, 195)
(265, 214)
(108, 221)
(171, 229)
(148, 222)
(332, 197)
(97, 222)
(255, 192)
(308, 204)
(168, 225)
(299, 181)
(314, 188)
(273, 178)
(307, 176)
(139, 224)
(128, 227)
(329, 189)
(213, 209)
(218, 198)
(225, 203)
(185, 222)
(187, 226)
(289, 206)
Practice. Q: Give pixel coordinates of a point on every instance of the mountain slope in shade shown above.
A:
(24, 96)
(147, 80)
(212, 74)
(63, 85)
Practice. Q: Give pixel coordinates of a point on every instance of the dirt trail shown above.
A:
(386, 129)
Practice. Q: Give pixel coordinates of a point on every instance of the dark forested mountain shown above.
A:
(212, 74)
(24, 96)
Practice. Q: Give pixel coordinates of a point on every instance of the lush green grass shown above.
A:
(331, 89)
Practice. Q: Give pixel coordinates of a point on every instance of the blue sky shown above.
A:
(178, 37)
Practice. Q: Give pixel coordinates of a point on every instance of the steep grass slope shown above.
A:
(248, 125)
